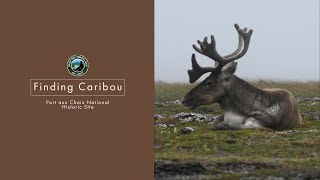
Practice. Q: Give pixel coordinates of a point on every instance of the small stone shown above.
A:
(313, 130)
(316, 98)
(157, 116)
(162, 125)
(292, 131)
(308, 99)
(186, 130)
(159, 104)
(177, 101)
(190, 117)
(314, 114)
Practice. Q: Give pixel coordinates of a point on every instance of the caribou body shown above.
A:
(244, 105)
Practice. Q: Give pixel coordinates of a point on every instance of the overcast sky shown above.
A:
(284, 44)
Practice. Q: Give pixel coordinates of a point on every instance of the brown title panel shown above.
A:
(77, 87)
(45, 142)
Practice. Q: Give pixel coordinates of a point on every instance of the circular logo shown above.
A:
(77, 65)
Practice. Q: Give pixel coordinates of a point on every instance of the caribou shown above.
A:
(244, 105)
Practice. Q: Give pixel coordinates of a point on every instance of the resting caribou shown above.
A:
(244, 105)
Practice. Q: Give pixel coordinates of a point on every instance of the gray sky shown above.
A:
(284, 44)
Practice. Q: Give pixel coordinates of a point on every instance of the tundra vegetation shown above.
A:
(247, 153)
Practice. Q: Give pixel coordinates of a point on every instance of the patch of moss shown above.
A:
(290, 150)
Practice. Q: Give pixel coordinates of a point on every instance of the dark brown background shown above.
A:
(45, 142)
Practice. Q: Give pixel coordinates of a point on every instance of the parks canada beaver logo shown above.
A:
(77, 65)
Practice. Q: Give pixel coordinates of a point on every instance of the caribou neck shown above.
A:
(241, 97)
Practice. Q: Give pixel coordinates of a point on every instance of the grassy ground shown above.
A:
(243, 153)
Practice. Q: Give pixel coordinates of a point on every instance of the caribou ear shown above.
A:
(228, 70)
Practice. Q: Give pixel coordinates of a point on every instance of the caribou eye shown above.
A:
(209, 83)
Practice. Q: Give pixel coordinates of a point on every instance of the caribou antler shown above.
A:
(211, 51)
(197, 71)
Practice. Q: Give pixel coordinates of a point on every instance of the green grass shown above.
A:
(297, 151)
(170, 91)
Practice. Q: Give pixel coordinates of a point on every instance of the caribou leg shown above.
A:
(220, 124)
(218, 120)
(251, 123)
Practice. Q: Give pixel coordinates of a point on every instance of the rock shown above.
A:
(265, 178)
(166, 103)
(159, 104)
(186, 130)
(232, 167)
(296, 131)
(159, 124)
(189, 117)
(157, 116)
(162, 125)
(312, 99)
(174, 169)
(292, 131)
(314, 114)
(313, 130)
(287, 132)
(170, 125)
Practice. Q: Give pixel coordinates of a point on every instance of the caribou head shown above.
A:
(213, 87)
